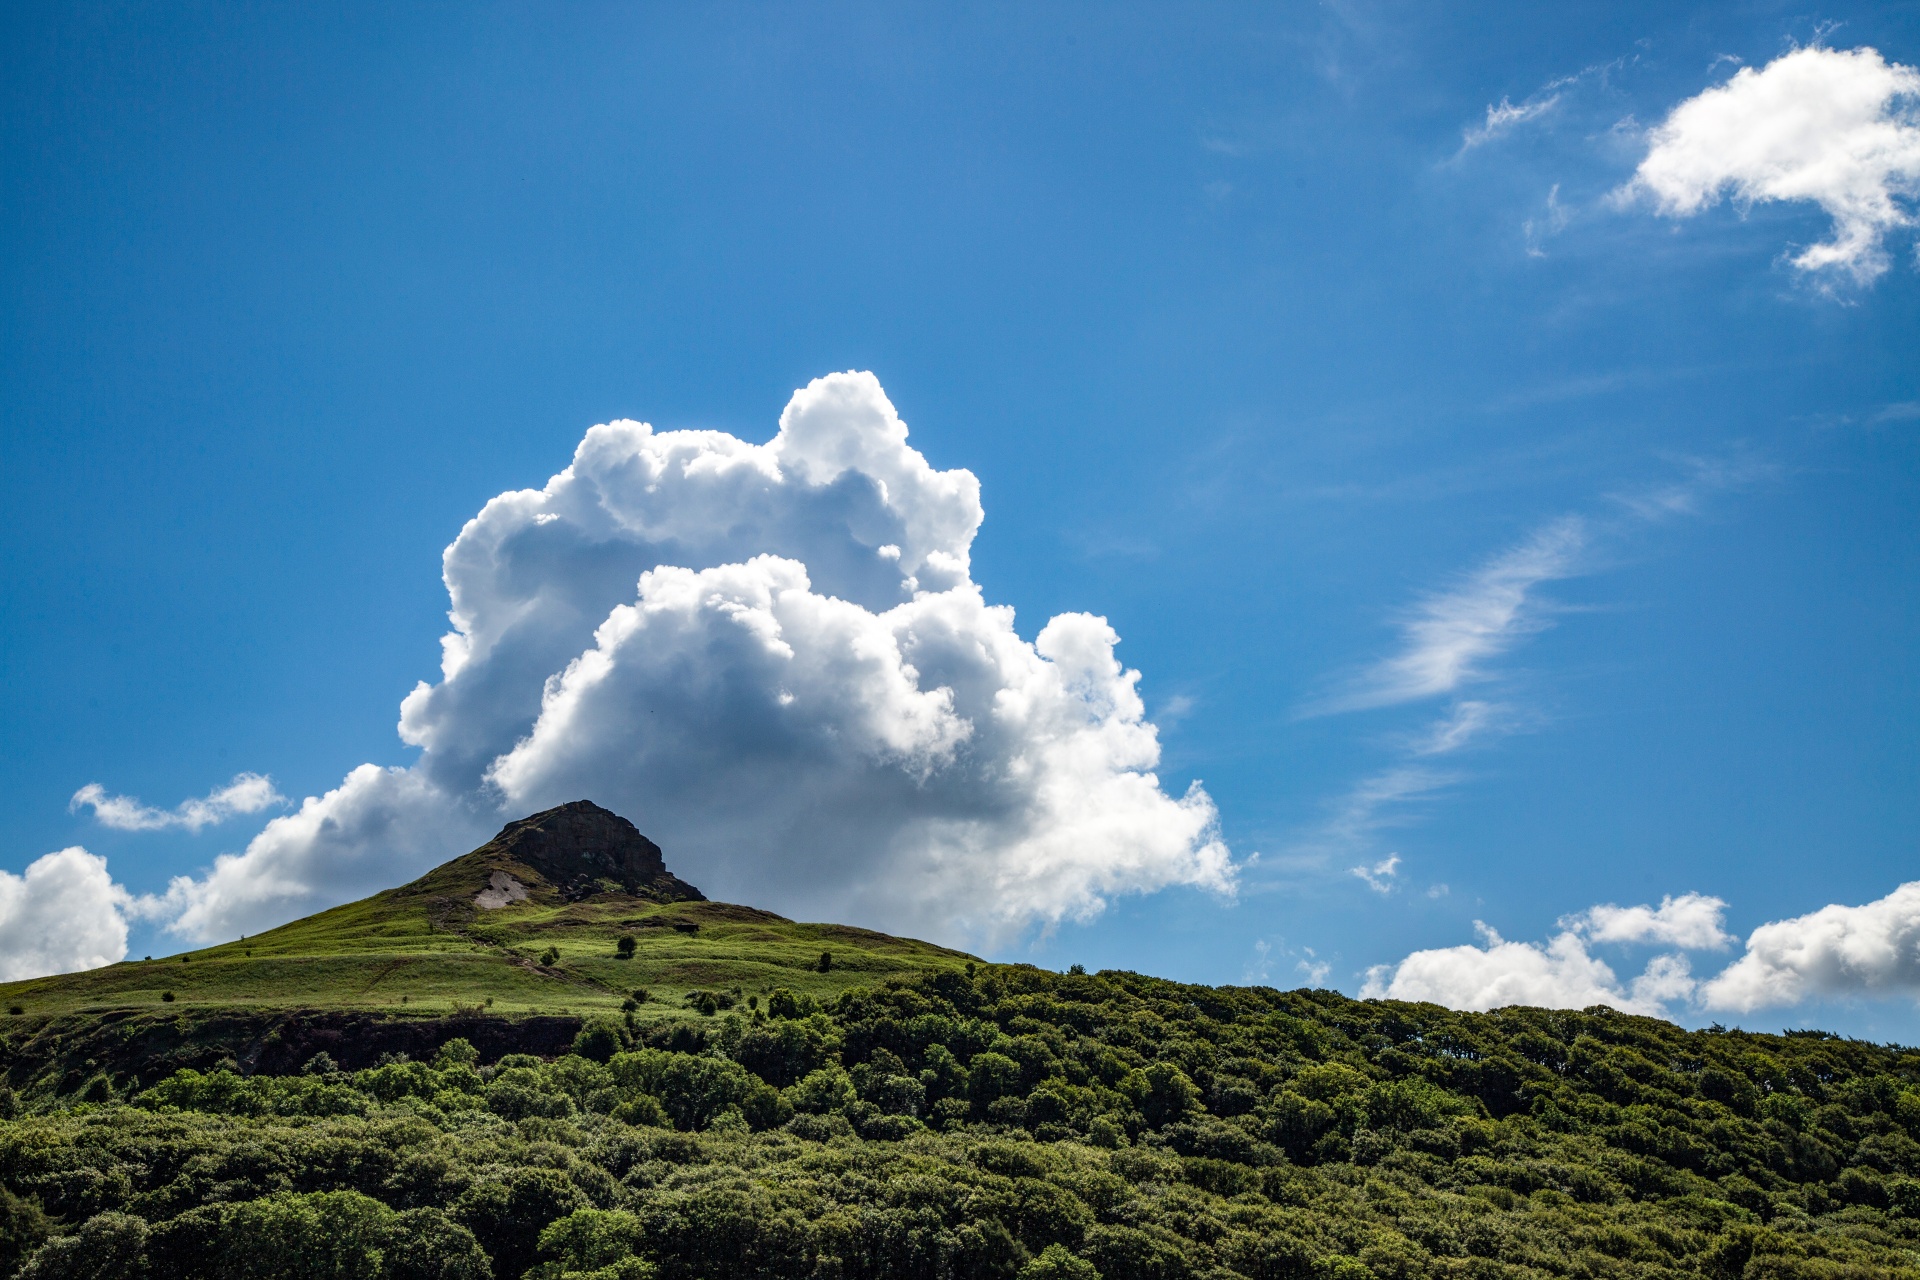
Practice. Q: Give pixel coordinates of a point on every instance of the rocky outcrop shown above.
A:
(581, 849)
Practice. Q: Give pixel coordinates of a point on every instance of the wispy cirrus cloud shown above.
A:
(1700, 478)
(1450, 636)
(1451, 643)
(1448, 642)
(247, 793)
(1505, 116)
(1464, 721)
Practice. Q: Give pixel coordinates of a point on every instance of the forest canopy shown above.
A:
(1002, 1124)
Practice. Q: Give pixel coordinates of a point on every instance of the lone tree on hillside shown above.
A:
(624, 947)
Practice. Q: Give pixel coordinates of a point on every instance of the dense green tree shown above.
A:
(1009, 1123)
(108, 1246)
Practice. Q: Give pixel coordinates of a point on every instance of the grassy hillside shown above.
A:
(427, 948)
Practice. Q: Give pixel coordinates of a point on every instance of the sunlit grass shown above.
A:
(425, 949)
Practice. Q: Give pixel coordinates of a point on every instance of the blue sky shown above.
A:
(1309, 346)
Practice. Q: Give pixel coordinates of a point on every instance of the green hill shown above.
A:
(577, 879)
(906, 1113)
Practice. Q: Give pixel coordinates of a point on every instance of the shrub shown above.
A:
(425, 1244)
(599, 1040)
(508, 1214)
(1056, 1263)
(458, 1051)
(23, 1225)
(106, 1247)
(593, 1242)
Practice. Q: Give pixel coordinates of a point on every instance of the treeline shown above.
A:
(1009, 1124)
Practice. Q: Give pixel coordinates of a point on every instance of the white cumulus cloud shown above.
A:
(1692, 920)
(376, 829)
(1870, 950)
(247, 793)
(63, 913)
(1835, 127)
(1561, 974)
(774, 660)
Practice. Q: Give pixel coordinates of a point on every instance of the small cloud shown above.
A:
(1260, 968)
(1704, 477)
(1834, 127)
(1691, 921)
(1464, 722)
(1563, 972)
(1550, 223)
(1560, 974)
(247, 793)
(1438, 891)
(1381, 875)
(1902, 411)
(1666, 979)
(1504, 118)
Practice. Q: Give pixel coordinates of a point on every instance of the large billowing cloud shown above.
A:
(64, 912)
(1835, 127)
(773, 658)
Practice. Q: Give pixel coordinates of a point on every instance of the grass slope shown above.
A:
(425, 948)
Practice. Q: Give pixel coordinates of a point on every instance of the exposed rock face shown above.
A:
(501, 889)
(579, 848)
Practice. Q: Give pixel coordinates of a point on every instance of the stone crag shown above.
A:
(581, 849)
